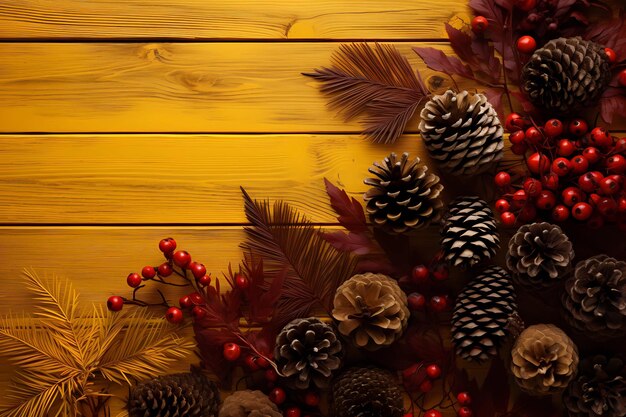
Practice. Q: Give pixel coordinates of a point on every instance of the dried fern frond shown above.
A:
(33, 394)
(285, 239)
(377, 82)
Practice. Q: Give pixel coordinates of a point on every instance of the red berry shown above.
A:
(546, 200)
(167, 245)
(622, 78)
(182, 258)
(464, 398)
(502, 179)
(607, 206)
(533, 136)
(611, 55)
(231, 352)
(526, 5)
(133, 280)
(115, 303)
(464, 412)
(438, 303)
(621, 204)
(620, 145)
(517, 137)
(440, 272)
(527, 214)
(579, 165)
(250, 362)
(608, 186)
(196, 298)
(503, 205)
(479, 24)
(550, 181)
(198, 312)
(571, 196)
(433, 371)
(560, 213)
(416, 301)
(561, 166)
(590, 181)
(532, 187)
(197, 269)
(278, 396)
(312, 399)
(582, 211)
(292, 412)
(526, 44)
(538, 163)
(433, 413)
(594, 199)
(601, 138)
(514, 122)
(242, 282)
(592, 154)
(165, 269)
(565, 147)
(148, 272)
(508, 219)
(616, 164)
(578, 127)
(271, 375)
(205, 280)
(426, 386)
(553, 128)
(174, 315)
(262, 362)
(519, 148)
(519, 198)
(185, 302)
(420, 274)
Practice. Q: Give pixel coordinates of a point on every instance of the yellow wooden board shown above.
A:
(236, 19)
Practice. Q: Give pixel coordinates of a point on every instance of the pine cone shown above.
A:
(566, 74)
(307, 352)
(249, 404)
(595, 296)
(539, 254)
(462, 131)
(544, 359)
(177, 395)
(599, 390)
(371, 310)
(469, 233)
(482, 314)
(367, 392)
(403, 196)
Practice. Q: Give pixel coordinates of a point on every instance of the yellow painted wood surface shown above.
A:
(235, 19)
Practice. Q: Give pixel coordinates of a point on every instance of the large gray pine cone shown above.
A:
(599, 389)
(177, 395)
(367, 392)
(403, 196)
(469, 234)
(539, 254)
(482, 315)
(595, 296)
(566, 74)
(248, 403)
(462, 132)
(307, 353)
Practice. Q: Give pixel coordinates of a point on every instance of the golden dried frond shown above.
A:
(34, 393)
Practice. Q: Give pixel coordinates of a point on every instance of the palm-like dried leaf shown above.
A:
(33, 394)
(377, 82)
(286, 240)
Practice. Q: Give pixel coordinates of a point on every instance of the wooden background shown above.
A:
(125, 121)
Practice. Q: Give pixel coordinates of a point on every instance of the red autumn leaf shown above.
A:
(612, 102)
(356, 243)
(611, 34)
(436, 60)
(349, 211)
(262, 296)
(495, 95)
(477, 52)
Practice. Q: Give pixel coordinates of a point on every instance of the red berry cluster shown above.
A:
(572, 172)
(420, 377)
(423, 289)
(463, 400)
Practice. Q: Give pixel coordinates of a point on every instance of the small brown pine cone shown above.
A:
(249, 404)
(595, 296)
(371, 310)
(307, 353)
(544, 359)
(367, 392)
(539, 254)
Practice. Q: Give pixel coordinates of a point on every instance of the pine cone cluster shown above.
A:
(566, 74)
(177, 395)
(367, 392)
(307, 352)
(248, 403)
(595, 296)
(599, 390)
(482, 314)
(539, 254)
(371, 310)
(404, 195)
(469, 233)
(462, 132)
(544, 359)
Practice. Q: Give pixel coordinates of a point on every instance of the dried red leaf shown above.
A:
(349, 210)
(477, 52)
(495, 96)
(612, 102)
(611, 34)
(436, 60)
(358, 244)
(262, 296)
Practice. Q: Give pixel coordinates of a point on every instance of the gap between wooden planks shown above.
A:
(232, 19)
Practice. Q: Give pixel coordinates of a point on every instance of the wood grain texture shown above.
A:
(88, 179)
(168, 87)
(232, 19)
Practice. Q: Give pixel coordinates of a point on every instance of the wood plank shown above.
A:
(177, 179)
(167, 87)
(233, 19)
